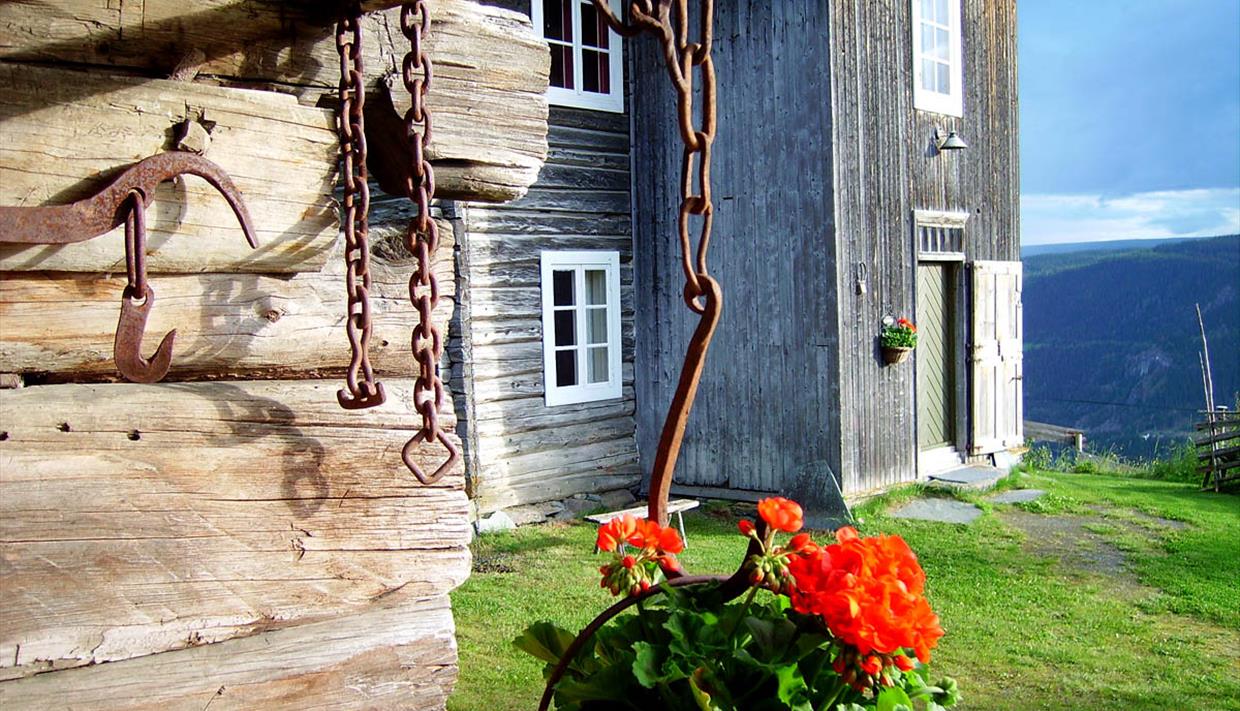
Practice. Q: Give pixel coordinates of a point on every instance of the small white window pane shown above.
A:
(565, 328)
(944, 81)
(596, 326)
(927, 10)
(564, 293)
(927, 74)
(596, 365)
(940, 12)
(565, 368)
(596, 287)
(941, 47)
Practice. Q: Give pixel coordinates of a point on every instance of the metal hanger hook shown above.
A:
(136, 303)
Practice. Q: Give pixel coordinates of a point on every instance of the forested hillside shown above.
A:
(1111, 339)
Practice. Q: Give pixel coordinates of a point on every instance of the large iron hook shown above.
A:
(107, 210)
(124, 201)
(136, 303)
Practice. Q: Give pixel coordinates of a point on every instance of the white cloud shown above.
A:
(1054, 219)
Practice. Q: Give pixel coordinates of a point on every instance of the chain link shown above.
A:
(361, 389)
(422, 239)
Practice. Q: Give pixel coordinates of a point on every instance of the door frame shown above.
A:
(936, 250)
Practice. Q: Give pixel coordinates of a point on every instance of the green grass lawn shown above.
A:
(1029, 626)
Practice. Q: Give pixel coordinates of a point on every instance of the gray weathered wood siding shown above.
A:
(884, 169)
(518, 449)
(764, 418)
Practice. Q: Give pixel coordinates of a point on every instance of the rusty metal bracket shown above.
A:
(124, 201)
(106, 210)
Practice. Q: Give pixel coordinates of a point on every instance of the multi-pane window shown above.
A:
(940, 235)
(581, 326)
(586, 66)
(937, 71)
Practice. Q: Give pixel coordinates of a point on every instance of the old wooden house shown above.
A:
(230, 537)
(866, 168)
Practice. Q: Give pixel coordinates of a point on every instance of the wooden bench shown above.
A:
(675, 506)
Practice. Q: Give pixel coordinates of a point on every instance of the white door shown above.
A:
(997, 362)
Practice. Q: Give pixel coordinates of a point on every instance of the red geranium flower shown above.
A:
(781, 514)
(870, 594)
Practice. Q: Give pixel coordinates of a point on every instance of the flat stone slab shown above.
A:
(940, 510)
(1017, 496)
(967, 478)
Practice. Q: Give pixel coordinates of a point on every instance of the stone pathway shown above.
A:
(940, 510)
(953, 511)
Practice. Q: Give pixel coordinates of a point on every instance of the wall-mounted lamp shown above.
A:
(952, 142)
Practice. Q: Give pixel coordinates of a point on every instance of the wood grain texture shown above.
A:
(61, 326)
(397, 653)
(520, 450)
(766, 411)
(59, 144)
(140, 519)
(491, 69)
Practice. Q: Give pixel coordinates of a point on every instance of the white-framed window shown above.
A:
(586, 58)
(581, 326)
(937, 67)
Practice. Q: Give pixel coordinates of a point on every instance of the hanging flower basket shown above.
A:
(898, 340)
(896, 354)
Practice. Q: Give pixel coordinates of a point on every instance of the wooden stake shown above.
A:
(1205, 347)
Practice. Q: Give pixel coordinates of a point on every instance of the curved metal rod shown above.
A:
(682, 402)
(105, 211)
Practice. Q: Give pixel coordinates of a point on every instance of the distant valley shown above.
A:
(1111, 337)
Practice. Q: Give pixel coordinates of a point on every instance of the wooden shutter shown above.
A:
(997, 362)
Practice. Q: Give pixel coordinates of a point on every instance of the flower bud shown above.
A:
(628, 562)
(746, 527)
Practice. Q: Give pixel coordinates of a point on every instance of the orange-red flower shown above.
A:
(781, 514)
(907, 324)
(802, 544)
(870, 594)
(654, 550)
(872, 665)
(617, 531)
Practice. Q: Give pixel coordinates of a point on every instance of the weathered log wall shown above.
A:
(490, 68)
(520, 450)
(230, 536)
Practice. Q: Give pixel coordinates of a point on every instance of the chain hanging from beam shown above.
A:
(422, 239)
(668, 20)
(361, 389)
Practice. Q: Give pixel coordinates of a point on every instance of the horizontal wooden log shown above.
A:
(397, 653)
(228, 325)
(139, 519)
(488, 96)
(59, 144)
(488, 101)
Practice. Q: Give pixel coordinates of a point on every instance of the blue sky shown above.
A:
(1130, 119)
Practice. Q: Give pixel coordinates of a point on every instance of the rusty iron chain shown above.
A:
(669, 21)
(361, 389)
(422, 239)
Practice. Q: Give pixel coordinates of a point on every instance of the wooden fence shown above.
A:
(1218, 448)
(1043, 432)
